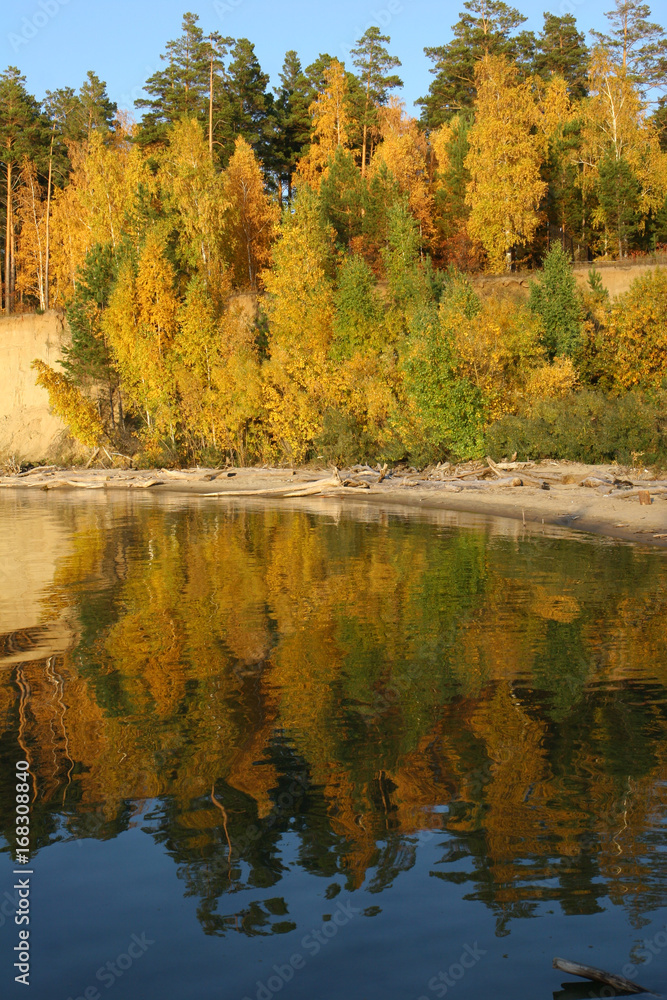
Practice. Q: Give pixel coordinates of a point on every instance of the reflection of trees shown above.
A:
(264, 675)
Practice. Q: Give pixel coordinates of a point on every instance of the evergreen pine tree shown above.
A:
(555, 300)
(97, 110)
(485, 28)
(292, 136)
(181, 89)
(23, 132)
(561, 50)
(88, 360)
(619, 192)
(341, 196)
(250, 105)
(638, 45)
(373, 63)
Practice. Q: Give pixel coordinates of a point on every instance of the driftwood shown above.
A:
(618, 983)
(37, 470)
(308, 489)
(492, 465)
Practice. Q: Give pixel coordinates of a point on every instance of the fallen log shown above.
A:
(492, 465)
(308, 489)
(600, 976)
(37, 470)
(83, 486)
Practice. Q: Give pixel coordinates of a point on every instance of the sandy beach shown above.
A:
(617, 502)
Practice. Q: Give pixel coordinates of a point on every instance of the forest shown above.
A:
(287, 275)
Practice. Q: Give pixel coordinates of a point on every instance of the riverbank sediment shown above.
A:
(618, 502)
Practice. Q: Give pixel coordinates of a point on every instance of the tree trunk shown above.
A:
(210, 112)
(48, 222)
(8, 242)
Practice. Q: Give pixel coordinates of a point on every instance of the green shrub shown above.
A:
(586, 426)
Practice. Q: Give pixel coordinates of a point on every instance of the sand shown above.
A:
(602, 500)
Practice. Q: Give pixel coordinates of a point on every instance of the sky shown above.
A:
(55, 42)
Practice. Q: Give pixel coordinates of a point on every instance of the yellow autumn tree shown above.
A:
(296, 379)
(30, 211)
(621, 155)
(555, 115)
(216, 373)
(404, 150)
(504, 160)
(140, 323)
(68, 402)
(95, 205)
(634, 339)
(251, 216)
(331, 124)
(496, 351)
(192, 191)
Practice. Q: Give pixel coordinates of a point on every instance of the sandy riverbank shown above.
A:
(605, 500)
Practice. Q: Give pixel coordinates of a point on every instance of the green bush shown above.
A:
(343, 441)
(586, 426)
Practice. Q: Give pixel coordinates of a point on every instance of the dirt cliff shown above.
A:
(29, 431)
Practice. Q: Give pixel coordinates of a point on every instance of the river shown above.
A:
(322, 751)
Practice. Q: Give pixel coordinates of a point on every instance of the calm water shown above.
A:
(328, 752)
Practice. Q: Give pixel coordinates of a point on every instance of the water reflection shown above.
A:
(263, 689)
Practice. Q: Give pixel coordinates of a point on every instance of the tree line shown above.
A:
(354, 220)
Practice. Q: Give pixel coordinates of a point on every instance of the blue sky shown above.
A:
(55, 42)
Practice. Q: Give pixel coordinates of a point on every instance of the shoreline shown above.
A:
(598, 500)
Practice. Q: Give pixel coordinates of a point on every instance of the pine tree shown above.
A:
(250, 105)
(30, 209)
(292, 137)
(619, 194)
(374, 63)
(485, 28)
(97, 111)
(88, 361)
(505, 157)
(194, 75)
(342, 197)
(450, 145)
(380, 193)
(556, 301)
(637, 44)
(561, 51)
(560, 122)
(22, 133)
